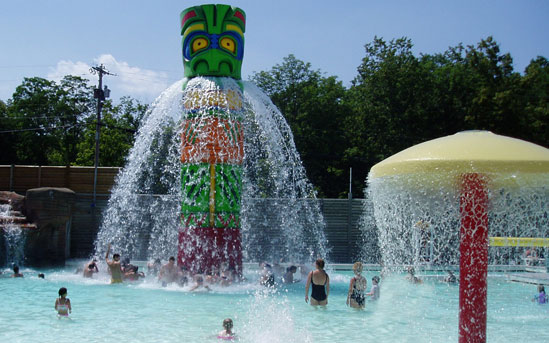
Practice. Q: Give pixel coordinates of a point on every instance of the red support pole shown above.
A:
(474, 258)
(202, 250)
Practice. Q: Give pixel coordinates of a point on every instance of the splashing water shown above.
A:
(270, 318)
(280, 218)
(14, 239)
(418, 221)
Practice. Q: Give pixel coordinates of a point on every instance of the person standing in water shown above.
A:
(63, 304)
(114, 266)
(16, 272)
(227, 333)
(90, 268)
(169, 272)
(320, 282)
(357, 287)
(541, 297)
(374, 291)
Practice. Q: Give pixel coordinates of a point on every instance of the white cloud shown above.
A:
(136, 82)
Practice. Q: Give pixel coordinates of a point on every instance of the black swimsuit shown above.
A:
(319, 292)
(357, 295)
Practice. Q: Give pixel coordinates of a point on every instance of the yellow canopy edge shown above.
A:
(467, 152)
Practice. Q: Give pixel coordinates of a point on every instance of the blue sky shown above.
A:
(140, 41)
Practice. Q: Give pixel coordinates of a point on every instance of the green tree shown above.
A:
(312, 105)
(119, 123)
(7, 153)
(392, 105)
(33, 111)
(49, 123)
(535, 85)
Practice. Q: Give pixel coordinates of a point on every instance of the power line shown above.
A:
(40, 129)
(43, 118)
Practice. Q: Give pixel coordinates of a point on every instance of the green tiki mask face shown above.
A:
(213, 40)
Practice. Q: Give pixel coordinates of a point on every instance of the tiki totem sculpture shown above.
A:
(212, 147)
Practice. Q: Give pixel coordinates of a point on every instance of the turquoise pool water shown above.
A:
(146, 312)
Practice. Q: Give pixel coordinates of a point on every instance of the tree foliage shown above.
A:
(53, 123)
(312, 105)
(399, 99)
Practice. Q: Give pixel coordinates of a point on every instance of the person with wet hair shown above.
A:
(199, 279)
(63, 304)
(133, 274)
(90, 268)
(16, 272)
(114, 266)
(320, 282)
(227, 333)
(267, 277)
(289, 275)
(412, 276)
(169, 272)
(154, 267)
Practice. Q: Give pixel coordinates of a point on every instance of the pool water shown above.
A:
(147, 312)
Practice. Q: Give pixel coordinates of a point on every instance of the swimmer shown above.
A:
(16, 272)
(154, 267)
(320, 282)
(132, 274)
(199, 279)
(168, 273)
(267, 277)
(357, 287)
(374, 291)
(41, 276)
(289, 275)
(541, 297)
(412, 276)
(90, 268)
(114, 266)
(450, 278)
(226, 276)
(63, 304)
(227, 333)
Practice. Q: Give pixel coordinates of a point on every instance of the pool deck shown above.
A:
(531, 278)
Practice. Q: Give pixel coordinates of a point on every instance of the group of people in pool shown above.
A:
(319, 283)
(168, 273)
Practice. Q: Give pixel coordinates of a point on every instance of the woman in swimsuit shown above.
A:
(320, 285)
(357, 287)
(63, 304)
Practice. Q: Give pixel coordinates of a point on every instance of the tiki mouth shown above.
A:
(204, 68)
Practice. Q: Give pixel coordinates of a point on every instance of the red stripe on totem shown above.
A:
(240, 16)
(188, 16)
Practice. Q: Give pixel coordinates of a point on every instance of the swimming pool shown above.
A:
(146, 312)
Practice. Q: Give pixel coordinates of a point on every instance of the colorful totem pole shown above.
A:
(212, 146)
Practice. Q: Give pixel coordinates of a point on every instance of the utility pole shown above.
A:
(100, 94)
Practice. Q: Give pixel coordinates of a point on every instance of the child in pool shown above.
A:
(541, 297)
(227, 333)
(63, 304)
(374, 291)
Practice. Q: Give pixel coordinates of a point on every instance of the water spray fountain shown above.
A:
(436, 203)
(214, 175)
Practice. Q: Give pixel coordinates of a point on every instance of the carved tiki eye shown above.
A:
(199, 44)
(229, 44)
